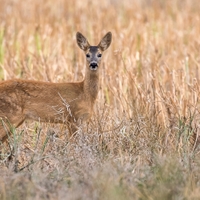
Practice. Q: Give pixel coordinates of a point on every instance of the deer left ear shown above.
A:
(105, 42)
(82, 41)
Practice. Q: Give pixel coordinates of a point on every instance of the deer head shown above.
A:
(93, 53)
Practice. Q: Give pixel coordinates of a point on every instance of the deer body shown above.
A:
(69, 103)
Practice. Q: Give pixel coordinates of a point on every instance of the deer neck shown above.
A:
(91, 85)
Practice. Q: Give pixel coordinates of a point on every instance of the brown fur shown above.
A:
(52, 102)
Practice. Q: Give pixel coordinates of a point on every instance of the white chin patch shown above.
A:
(93, 68)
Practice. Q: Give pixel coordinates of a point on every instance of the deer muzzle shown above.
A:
(93, 66)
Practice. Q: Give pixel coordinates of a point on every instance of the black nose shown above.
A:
(93, 65)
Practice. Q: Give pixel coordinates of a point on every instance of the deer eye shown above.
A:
(99, 55)
(87, 55)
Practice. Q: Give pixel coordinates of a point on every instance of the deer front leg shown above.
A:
(74, 125)
(72, 128)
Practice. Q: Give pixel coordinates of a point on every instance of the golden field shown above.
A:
(142, 142)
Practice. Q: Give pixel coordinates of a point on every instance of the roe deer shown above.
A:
(69, 102)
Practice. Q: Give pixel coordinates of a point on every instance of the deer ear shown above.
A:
(106, 41)
(82, 41)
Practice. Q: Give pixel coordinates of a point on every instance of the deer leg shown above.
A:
(73, 128)
(6, 127)
(75, 125)
(3, 134)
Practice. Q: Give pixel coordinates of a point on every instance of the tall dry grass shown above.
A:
(142, 142)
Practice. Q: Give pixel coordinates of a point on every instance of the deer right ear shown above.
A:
(106, 41)
(82, 41)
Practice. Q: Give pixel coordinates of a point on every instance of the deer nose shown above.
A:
(93, 66)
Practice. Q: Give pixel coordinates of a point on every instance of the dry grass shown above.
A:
(141, 142)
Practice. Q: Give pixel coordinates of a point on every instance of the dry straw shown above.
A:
(142, 140)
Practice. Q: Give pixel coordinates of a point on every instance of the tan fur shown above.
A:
(68, 103)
